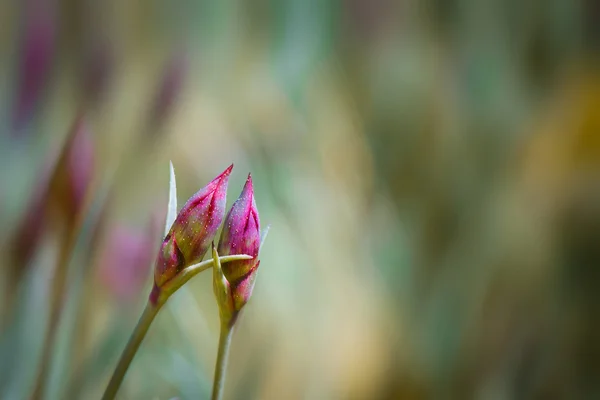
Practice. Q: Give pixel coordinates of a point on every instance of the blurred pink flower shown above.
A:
(126, 262)
(61, 187)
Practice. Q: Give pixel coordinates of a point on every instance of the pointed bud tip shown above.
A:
(248, 186)
(227, 171)
(223, 176)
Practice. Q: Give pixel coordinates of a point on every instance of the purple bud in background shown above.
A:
(37, 51)
(62, 189)
(126, 262)
(193, 230)
(62, 186)
(98, 65)
(74, 172)
(170, 86)
(80, 162)
(241, 235)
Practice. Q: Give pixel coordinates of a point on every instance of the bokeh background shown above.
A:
(430, 170)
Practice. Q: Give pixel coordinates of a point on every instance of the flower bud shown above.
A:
(241, 235)
(231, 297)
(193, 230)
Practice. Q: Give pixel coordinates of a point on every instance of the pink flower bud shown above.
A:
(241, 235)
(193, 230)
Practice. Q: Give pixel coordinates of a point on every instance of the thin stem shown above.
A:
(193, 270)
(134, 342)
(222, 356)
(158, 297)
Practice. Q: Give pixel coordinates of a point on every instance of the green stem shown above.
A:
(158, 297)
(188, 273)
(134, 342)
(222, 356)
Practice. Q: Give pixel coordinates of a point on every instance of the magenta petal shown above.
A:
(200, 218)
(243, 289)
(170, 261)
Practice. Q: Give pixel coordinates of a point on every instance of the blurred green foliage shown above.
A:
(430, 171)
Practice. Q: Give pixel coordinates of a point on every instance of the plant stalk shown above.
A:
(222, 356)
(132, 345)
(158, 297)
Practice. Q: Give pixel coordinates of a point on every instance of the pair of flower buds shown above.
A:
(194, 230)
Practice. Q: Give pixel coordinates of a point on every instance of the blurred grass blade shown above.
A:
(69, 327)
(21, 343)
(103, 355)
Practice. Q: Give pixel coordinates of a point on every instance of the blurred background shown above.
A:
(430, 170)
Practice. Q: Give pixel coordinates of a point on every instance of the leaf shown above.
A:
(172, 208)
